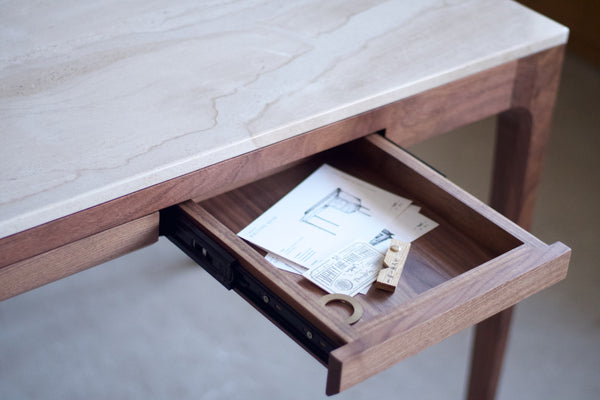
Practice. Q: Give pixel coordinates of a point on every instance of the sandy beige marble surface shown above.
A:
(100, 99)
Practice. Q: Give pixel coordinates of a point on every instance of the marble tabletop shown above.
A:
(101, 99)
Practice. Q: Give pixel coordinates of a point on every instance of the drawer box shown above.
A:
(473, 265)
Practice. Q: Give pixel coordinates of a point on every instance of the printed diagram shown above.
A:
(328, 213)
(381, 237)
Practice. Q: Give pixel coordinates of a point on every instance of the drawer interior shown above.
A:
(463, 240)
(473, 265)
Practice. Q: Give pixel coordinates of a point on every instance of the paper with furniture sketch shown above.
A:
(326, 212)
(323, 214)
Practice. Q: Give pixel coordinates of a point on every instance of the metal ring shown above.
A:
(344, 298)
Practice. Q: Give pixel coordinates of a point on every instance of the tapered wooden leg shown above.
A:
(491, 336)
(520, 144)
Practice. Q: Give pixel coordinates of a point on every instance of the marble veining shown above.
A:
(101, 99)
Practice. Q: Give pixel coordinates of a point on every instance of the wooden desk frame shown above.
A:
(521, 92)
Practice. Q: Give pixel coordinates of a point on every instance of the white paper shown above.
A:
(323, 214)
(287, 265)
(283, 264)
(307, 232)
(348, 271)
(410, 225)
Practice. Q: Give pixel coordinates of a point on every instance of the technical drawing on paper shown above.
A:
(332, 208)
(381, 237)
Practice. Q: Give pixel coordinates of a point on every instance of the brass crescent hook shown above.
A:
(344, 298)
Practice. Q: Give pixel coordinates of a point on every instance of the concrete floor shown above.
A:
(151, 325)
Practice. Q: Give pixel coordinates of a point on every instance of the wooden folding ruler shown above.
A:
(392, 267)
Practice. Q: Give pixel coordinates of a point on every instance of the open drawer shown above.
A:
(473, 265)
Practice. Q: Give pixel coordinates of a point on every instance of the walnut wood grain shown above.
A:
(450, 106)
(522, 135)
(446, 310)
(77, 256)
(489, 347)
(521, 138)
(442, 254)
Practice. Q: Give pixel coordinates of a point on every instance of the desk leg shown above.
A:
(521, 137)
